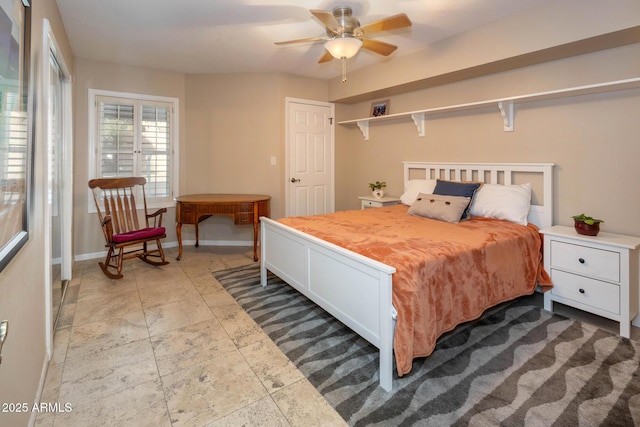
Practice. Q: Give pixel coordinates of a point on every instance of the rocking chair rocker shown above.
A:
(116, 205)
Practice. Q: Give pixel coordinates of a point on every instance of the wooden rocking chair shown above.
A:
(120, 225)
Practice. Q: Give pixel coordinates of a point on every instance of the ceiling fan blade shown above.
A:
(326, 18)
(391, 23)
(376, 46)
(307, 40)
(326, 57)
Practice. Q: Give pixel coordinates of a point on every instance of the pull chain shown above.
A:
(344, 69)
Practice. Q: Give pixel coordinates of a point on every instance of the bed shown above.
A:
(358, 289)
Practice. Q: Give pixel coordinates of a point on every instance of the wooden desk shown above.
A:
(242, 208)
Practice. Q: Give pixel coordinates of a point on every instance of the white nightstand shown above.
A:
(372, 202)
(595, 274)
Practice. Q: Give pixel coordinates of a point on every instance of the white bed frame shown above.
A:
(357, 290)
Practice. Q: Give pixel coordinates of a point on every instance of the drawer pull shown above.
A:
(581, 260)
(581, 290)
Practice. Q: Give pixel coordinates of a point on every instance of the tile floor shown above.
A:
(168, 346)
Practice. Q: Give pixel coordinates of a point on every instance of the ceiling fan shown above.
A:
(345, 35)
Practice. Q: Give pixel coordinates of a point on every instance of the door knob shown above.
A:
(295, 180)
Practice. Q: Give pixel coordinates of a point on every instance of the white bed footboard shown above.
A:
(347, 285)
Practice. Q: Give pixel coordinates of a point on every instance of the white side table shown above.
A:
(373, 202)
(595, 274)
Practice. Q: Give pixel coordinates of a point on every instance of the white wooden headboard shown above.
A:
(541, 214)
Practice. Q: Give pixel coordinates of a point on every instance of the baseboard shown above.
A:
(102, 254)
(43, 377)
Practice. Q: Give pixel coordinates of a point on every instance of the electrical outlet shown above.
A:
(273, 160)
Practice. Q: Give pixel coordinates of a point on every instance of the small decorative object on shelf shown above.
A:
(377, 189)
(586, 225)
(380, 108)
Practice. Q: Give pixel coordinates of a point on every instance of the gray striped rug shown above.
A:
(516, 365)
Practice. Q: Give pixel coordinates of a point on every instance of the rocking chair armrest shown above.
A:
(157, 216)
(156, 213)
(107, 228)
(106, 220)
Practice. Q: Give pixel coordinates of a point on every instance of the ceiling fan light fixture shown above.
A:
(343, 47)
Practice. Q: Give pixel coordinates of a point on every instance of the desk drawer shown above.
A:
(594, 293)
(186, 214)
(243, 218)
(586, 261)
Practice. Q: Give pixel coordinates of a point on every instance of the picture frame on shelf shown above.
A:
(380, 108)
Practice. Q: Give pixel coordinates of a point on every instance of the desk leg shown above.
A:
(255, 241)
(179, 233)
(197, 238)
(256, 222)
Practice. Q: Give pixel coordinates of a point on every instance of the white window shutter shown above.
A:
(116, 140)
(155, 144)
(134, 135)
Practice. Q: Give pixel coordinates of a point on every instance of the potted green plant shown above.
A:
(586, 225)
(377, 188)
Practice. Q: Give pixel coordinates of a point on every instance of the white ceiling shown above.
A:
(230, 36)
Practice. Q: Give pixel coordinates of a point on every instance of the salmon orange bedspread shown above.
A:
(446, 273)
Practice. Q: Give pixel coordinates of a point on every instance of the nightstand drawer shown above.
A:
(370, 204)
(594, 293)
(592, 262)
(373, 202)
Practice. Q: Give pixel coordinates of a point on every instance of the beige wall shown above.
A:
(235, 124)
(22, 283)
(592, 139)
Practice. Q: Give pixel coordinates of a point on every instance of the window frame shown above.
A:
(94, 94)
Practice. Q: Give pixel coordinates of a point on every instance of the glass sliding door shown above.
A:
(58, 286)
(57, 92)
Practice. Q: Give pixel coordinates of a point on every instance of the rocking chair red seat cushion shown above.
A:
(144, 234)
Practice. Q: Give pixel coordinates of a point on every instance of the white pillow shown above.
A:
(413, 187)
(507, 202)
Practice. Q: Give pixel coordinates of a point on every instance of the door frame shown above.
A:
(288, 140)
(50, 46)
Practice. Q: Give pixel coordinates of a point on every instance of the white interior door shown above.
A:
(310, 157)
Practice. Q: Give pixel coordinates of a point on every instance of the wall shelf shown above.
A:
(504, 105)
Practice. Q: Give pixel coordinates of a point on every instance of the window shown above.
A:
(135, 135)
